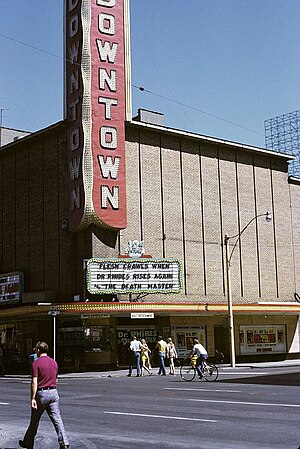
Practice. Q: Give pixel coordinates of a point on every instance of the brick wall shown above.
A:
(184, 195)
(33, 204)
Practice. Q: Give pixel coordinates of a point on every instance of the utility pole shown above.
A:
(1, 120)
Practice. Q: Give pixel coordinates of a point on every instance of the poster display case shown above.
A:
(264, 339)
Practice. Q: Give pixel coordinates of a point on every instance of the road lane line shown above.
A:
(143, 415)
(4, 403)
(254, 374)
(204, 389)
(245, 403)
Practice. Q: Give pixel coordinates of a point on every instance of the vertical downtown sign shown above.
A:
(96, 70)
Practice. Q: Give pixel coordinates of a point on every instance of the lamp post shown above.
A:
(228, 256)
(54, 312)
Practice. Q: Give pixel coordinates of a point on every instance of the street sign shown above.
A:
(11, 287)
(137, 315)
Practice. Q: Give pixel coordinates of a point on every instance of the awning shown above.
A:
(120, 308)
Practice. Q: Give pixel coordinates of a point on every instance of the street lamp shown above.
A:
(228, 256)
(54, 312)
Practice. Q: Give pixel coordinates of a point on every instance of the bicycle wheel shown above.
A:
(210, 372)
(187, 372)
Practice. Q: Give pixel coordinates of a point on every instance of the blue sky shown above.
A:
(233, 63)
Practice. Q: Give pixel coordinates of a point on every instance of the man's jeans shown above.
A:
(46, 400)
(162, 369)
(136, 359)
(199, 364)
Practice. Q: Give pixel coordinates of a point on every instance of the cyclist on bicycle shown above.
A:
(201, 353)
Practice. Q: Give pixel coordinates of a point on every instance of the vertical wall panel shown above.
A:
(1, 216)
(283, 232)
(67, 246)
(247, 211)
(133, 194)
(36, 217)
(192, 221)
(9, 215)
(51, 214)
(265, 230)
(295, 216)
(212, 222)
(172, 197)
(22, 211)
(230, 213)
(151, 194)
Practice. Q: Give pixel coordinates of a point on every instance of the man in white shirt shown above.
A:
(201, 354)
(135, 348)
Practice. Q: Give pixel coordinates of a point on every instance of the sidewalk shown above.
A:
(264, 365)
(124, 372)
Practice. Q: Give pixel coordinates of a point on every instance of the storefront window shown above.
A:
(98, 338)
(10, 336)
(125, 334)
(184, 339)
(70, 346)
(262, 339)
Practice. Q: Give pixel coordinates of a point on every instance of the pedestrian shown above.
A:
(200, 352)
(32, 357)
(135, 348)
(145, 351)
(161, 346)
(219, 356)
(171, 355)
(44, 396)
(2, 366)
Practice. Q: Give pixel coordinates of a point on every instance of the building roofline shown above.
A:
(213, 140)
(294, 180)
(174, 131)
(15, 129)
(33, 135)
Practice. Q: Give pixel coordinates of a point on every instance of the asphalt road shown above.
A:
(244, 409)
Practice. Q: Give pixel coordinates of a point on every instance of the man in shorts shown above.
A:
(44, 396)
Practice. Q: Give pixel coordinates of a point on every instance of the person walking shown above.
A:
(201, 353)
(146, 366)
(171, 355)
(135, 348)
(161, 346)
(44, 396)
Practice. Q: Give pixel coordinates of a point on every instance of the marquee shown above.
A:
(134, 276)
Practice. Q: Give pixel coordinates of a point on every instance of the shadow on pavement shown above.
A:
(290, 379)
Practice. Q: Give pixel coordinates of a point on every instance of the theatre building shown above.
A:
(112, 227)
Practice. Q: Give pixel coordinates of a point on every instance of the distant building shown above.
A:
(282, 134)
(8, 135)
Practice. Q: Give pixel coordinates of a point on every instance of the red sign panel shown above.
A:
(96, 108)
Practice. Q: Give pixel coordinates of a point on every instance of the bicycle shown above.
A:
(188, 370)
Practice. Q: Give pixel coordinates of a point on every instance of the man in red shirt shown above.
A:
(44, 396)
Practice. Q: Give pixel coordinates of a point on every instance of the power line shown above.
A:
(30, 46)
(38, 49)
(142, 89)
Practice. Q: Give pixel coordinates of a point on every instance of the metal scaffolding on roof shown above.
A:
(282, 134)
